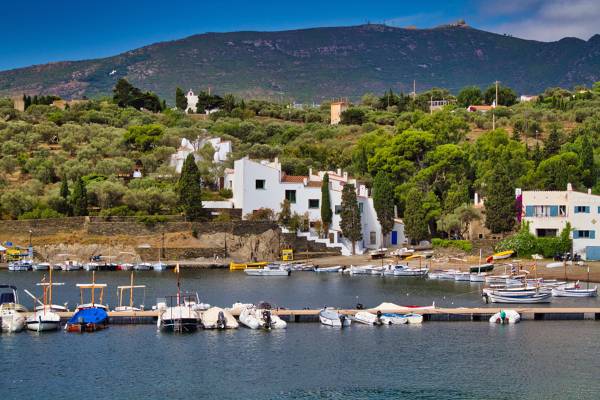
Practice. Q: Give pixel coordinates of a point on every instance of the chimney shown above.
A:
(476, 199)
(345, 175)
(589, 190)
(339, 171)
(569, 187)
(309, 172)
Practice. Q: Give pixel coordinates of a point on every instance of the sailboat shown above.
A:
(181, 317)
(45, 317)
(48, 290)
(89, 317)
(131, 287)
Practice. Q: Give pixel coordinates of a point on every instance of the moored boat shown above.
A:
(218, 318)
(505, 317)
(574, 290)
(142, 267)
(462, 276)
(268, 270)
(43, 320)
(393, 319)
(89, 319)
(367, 318)
(10, 310)
(517, 297)
(330, 317)
(21, 265)
(44, 266)
(336, 268)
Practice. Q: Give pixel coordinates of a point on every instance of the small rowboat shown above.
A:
(328, 269)
(574, 290)
(503, 255)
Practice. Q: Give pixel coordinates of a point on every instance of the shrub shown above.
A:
(151, 220)
(41, 213)
(524, 243)
(120, 211)
(463, 245)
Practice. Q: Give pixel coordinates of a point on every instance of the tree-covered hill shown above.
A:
(322, 63)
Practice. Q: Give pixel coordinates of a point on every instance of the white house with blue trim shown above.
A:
(549, 211)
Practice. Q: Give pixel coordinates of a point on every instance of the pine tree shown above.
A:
(588, 168)
(64, 188)
(190, 190)
(63, 206)
(383, 201)
(326, 214)
(499, 200)
(415, 216)
(180, 99)
(350, 216)
(79, 199)
(552, 143)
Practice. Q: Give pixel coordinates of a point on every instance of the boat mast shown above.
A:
(131, 292)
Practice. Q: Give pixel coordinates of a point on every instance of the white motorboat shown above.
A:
(367, 318)
(43, 320)
(574, 290)
(91, 266)
(10, 310)
(142, 267)
(337, 268)
(360, 270)
(41, 266)
(218, 318)
(393, 319)
(510, 317)
(496, 279)
(178, 318)
(268, 270)
(462, 276)
(21, 265)
(70, 265)
(447, 274)
(330, 317)
(478, 277)
(159, 266)
(255, 318)
(413, 318)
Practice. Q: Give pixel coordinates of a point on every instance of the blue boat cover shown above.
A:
(91, 315)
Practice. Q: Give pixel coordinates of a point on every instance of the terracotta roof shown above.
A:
(293, 179)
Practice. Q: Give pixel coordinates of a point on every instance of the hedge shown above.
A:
(463, 245)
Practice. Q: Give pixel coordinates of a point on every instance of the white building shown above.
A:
(262, 184)
(192, 101)
(222, 149)
(549, 211)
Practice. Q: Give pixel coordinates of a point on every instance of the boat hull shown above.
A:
(183, 325)
(558, 292)
(43, 325)
(516, 298)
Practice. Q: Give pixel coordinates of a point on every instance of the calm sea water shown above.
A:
(438, 360)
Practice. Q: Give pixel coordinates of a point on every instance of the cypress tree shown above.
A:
(79, 200)
(499, 200)
(326, 214)
(416, 226)
(552, 143)
(588, 167)
(190, 190)
(64, 188)
(383, 201)
(350, 216)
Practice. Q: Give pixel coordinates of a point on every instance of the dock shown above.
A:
(433, 315)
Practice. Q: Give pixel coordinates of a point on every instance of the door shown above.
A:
(394, 238)
(592, 253)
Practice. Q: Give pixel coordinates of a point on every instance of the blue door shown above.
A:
(592, 253)
(394, 238)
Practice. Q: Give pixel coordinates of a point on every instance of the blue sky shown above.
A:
(40, 31)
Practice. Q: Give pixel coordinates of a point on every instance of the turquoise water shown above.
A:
(438, 360)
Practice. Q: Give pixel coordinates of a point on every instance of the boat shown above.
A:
(411, 272)
(367, 318)
(378, 253)
(481, 268)
(48, 288)
(269, 270)
(242, 266)
(462, 276)
(70, 265)
(56, 267)
(142, 267)
(360, 270)
(557, 264)
(88, 319)
(21, 265)
(477, 277)
(393, 319)
(503, 255)
(260, 317)
(574, 290)
(130, 288)
(403, 252)
(517, 297)
(10, 310)
(41, 266)
(92, 288)
(375, 270)
(45, 317)
(330, 317)
(218, 318)
(413, 318)
(447, 274)
(395, 308)
(178, 318)
(125, 267)
(510, 317)
(91, 266)
(337, 268)
(159, 266)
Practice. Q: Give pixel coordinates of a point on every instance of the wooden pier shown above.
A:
(433, 315)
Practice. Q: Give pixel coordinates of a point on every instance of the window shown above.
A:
(584, 234)
(562, 211)
(260, 184)
(373, 237)
(313, 203)
(290, 195)
(582, 209)
(338, 210)
(545, 211)
(546, 232)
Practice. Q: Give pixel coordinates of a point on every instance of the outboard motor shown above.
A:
(342, 319)
(485, 297)
(267, 318)
(359, 306)
(378, 321)
(221, 322)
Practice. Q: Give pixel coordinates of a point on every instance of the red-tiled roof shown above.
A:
(293, 179)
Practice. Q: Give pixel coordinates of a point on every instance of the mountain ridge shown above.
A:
(322, 63)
